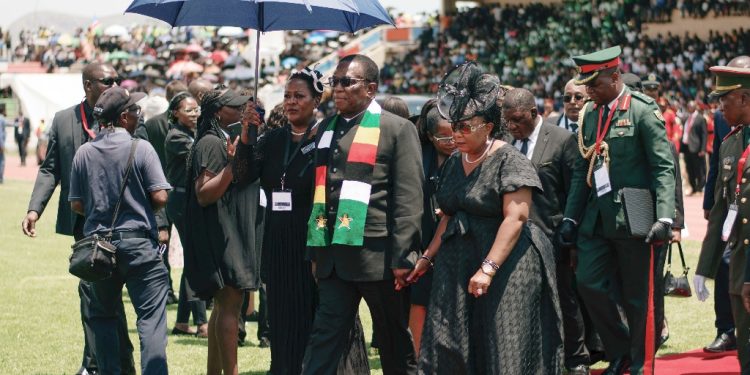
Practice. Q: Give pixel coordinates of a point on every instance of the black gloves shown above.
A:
(660, 232)
(565, 238)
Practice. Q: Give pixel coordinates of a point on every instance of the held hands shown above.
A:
(699, 283)
(28, 225)
(660, 232)
(479, 283)
(422, 266)
(163, 235)
(399, 277)
(565, 237)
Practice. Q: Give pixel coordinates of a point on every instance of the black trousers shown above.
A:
(696, 170)
(722, 306)
(574, 328)
(86, 293)
(334, 318)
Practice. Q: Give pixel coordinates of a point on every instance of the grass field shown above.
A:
(40, 328)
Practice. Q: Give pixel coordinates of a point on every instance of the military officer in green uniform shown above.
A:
(624, 145)
(728, 219)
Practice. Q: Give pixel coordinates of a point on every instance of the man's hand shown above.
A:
(676, 234)
(699, 283)
(573, 259)
(479, 283)
(660, 232)
(746, 296)
(705, 214)
(28, 225)
(565, 237)
(399, 277)
(163, 235)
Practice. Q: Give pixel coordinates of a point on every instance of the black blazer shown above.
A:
(555, 154)
(65, 136)
(394, 214)
(698, 135)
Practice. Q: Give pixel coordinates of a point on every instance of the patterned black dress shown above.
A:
(515, 328)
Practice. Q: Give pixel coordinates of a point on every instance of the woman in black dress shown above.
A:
(493, 306)
(437, 145)
(183, 118)
(282, 159)
(220, 257)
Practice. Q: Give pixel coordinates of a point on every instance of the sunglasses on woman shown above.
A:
(568, 98)
(344, 81)
(466, 128)
(444, 140)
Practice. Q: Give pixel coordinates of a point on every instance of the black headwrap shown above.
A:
(466, 91)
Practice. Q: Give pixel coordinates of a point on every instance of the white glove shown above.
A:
(699, 282)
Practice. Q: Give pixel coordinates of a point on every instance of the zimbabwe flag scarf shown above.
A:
(354, 198)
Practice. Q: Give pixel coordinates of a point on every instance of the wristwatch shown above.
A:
(489, 267)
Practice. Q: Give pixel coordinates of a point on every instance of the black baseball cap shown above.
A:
(114, 101)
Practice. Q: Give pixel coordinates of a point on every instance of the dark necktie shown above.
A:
(605, 114)
(524, 146)
(573, 127)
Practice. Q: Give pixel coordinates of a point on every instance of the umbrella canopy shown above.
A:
(183, 67)
(267, 15)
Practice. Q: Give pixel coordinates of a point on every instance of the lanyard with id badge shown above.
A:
(601, 169)
(282, 198)
(726, 229)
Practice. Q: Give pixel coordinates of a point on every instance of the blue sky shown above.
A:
(98, 8)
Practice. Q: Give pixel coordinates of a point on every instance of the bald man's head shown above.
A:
(97, 77)
(198, 88)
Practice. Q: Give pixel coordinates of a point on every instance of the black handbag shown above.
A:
(94, 257)
(677, 286)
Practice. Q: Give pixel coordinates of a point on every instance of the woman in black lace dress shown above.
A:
(493, 307)
(282, 159)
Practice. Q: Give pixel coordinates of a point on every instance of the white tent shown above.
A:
(40, 96)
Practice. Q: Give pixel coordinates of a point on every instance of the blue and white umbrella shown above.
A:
(267, 15)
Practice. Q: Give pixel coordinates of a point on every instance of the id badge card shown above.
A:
(726, 230)
(282, 200)
(601, 178)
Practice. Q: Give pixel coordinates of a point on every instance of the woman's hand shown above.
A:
(232, 149)
(422, 266)
(479, 284)
(249, 117)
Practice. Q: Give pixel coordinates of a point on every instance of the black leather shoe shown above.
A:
(618, 366)
(579, 370)
(722, 343)
(264, 342)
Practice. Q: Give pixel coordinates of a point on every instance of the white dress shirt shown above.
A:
(532, 139)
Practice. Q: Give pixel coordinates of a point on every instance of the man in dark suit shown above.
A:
(379, 216)
(694, 147)
(22, 132)
(71, 128)
(155, 132)
(554, 152)
(573, 99)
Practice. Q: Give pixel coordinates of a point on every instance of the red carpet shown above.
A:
(695, 362)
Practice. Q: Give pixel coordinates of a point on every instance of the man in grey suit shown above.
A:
(71, 128)
(381, 168)
(694, 147)
(573, 99)
(553, 151)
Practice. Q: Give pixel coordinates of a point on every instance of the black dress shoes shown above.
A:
(723, 342)
(579, 370)
(618, 366)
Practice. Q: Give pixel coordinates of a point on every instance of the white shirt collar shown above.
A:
(612, 103)
(518, 143)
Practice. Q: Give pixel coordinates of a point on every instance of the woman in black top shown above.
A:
(437, 145)
(220, 252)
(183, 115)
(282, 159)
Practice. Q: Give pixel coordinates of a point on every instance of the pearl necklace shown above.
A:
(302, 133)
(486, 150)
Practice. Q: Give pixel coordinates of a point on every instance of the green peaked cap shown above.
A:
(589, 65)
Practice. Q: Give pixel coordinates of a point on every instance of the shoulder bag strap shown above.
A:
(124, 183)
(682, 256)
(669, 256)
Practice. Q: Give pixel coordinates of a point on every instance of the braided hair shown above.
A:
(207, 124)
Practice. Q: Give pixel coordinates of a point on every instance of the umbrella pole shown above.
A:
(257, 65)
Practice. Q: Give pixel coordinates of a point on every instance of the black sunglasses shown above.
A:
(107, 81)
(577, 97)
(344, 81)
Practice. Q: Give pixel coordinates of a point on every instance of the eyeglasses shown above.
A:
(192, 111)
(344, 81)
(466, 128)
(136, 110)
(568, 98)
(107, 81)
(444, 140)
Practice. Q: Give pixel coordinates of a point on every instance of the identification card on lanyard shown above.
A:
(726, 230)
(601, 178)
(282, 200)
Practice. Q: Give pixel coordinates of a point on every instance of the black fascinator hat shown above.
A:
(466, 91)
